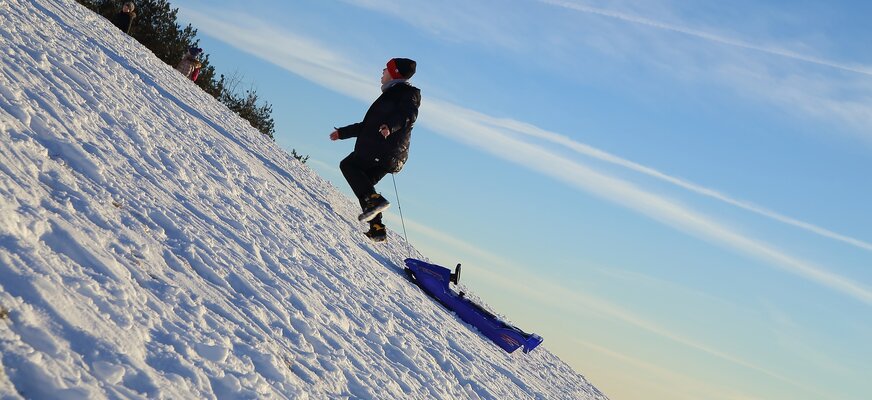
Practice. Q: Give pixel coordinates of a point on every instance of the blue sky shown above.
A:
(674, 194)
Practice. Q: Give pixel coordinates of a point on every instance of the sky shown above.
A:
(673, 194)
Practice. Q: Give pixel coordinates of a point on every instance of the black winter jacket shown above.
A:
(124, 21)
(397, 108)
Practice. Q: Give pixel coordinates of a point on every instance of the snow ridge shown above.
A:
(154, 245)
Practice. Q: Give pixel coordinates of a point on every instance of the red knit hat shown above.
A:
(401, 68)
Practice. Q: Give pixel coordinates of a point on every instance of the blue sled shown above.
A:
(434, 280)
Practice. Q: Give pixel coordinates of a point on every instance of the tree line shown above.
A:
(156, 27)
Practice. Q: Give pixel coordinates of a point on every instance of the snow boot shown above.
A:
(377, 232)
(374, 205)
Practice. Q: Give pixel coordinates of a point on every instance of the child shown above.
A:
(190, 64)
(382, 144)
(124, 19)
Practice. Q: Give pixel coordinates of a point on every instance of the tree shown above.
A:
(245, 103)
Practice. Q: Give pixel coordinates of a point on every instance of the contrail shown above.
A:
(533, 131)
(478, 132)
(708, 36)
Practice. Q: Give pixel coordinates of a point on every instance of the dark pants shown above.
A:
(362, 180)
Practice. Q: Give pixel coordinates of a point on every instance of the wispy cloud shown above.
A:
(476, 132)
(634, 19)
(791, 336)
(295, 53)
(668, 383)
(452, 241)
(560, 298)
(311, 61)
(581, 148)
(454, 20)
(736, 65)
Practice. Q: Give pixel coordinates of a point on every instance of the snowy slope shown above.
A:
(154, 245)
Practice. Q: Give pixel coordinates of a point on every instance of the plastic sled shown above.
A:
(435, 279)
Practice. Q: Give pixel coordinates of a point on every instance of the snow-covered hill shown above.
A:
(154, 245)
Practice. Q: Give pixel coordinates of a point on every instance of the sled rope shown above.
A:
(403, 220)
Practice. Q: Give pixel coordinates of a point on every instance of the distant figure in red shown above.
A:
(190, 64)
(124, 19)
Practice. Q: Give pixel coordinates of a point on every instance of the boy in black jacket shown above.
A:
(382, 145)
(124, 19)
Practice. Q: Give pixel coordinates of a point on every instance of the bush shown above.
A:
(245, 103)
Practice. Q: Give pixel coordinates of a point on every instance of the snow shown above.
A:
(154, 245)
